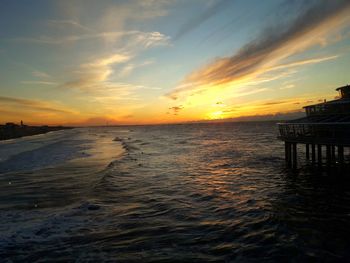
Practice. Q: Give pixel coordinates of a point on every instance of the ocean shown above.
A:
(215, 192)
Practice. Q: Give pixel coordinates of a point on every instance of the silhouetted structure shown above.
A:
(326, 125)
(11, 130)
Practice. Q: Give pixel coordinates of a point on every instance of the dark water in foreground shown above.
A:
(183, 193)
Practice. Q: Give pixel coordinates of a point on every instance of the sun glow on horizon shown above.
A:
(129, 63)
(216, 115)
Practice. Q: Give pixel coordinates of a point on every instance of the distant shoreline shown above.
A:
(13, 131)
(184, 123)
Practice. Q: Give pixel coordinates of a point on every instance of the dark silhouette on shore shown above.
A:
(11, 130)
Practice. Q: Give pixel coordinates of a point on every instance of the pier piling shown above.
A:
(319, 154)
(341, 154)
(328, 155)
(295, 156)
(288, 154)
(325, 124)
(333, 158)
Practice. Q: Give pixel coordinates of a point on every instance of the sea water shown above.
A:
(169, 193)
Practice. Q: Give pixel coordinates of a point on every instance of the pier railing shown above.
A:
(326, 133)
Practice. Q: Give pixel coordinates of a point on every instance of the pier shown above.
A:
(324, 132)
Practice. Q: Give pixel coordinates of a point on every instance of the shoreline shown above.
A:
(13, 131)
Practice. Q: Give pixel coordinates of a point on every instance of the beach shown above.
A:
(12, 131)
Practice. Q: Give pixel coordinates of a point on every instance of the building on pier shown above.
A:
(326, 126)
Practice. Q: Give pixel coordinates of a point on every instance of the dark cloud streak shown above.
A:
(31, 104)
(176, 109)
(268, 46)
(197, 20)
(255, 53)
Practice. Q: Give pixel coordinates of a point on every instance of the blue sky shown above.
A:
(156, 61)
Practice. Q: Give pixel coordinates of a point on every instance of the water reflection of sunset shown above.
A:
(130, 63)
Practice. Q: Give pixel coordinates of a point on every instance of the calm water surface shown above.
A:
(177, 193)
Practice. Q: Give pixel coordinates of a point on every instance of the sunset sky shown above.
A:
(165, 61)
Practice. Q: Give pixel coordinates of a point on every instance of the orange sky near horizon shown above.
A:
(155, 62)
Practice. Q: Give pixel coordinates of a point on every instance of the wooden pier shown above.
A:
(324, 132)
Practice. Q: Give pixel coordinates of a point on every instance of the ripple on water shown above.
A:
(187, 193)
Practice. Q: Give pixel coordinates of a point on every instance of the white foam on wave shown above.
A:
(49, 150)
(13, 147)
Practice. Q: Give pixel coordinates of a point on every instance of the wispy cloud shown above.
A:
(302, 63)
(288, 86)
(32, 105)
(92, 75)
(101, 76)
(67, 39)
(40, 74)
(130, 67)
(200, 18)
(176, 109)
(145, 39)
(95, 74)
(38, 82)
(269, 107)
(68, 23)
(275, 44)
(102, 43)
(44, 79)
